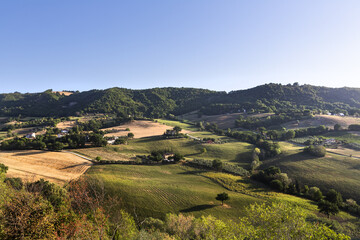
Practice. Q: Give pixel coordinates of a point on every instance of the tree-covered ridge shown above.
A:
(159, 102)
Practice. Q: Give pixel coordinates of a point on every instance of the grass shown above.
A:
(154, 191)
(196, 132)
(157, 190)
(173, 123)
(233, 152)
(332, 171)
(343, 136)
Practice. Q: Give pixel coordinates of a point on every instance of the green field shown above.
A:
(154, 191)
(157, 190)
(234, 152)
(195, 131)
(343, 136)
(332, 171)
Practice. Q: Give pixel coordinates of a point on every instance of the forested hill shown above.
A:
(156, 102)
(159, 102)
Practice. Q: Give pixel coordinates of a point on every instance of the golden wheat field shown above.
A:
(57, 167)
(140, 129)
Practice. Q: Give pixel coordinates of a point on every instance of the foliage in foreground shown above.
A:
(273, 221)
(42, 210)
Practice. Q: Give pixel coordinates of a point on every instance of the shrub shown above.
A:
(277, 184)
(217, 164)
(315, 194)
(318, 150)
(15, 183)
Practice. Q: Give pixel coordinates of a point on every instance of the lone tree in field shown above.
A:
(222, 197)
(130, 135)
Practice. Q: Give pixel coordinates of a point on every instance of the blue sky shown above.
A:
(219, 45)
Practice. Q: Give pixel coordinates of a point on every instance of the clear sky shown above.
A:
(219, 45)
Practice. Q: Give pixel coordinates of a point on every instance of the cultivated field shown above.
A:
(233, 152)
(345, 152)
(224, 121)
(154, 191)
(140, 129)
(58, 167)
(326, 120)
(23, 131)
(332, 171)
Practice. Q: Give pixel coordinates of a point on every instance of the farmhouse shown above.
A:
(31, 135)
(170, 132)
(330, 141)
(60, 135)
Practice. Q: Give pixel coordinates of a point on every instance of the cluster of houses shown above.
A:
(62, 133)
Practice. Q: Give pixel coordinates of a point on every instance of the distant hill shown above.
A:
(159, 102)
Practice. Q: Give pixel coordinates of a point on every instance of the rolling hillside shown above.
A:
(159, 102)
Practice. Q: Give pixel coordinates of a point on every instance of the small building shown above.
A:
(166, 156)
(60, 135)
(31, 136)
(330, 141)
(170, 132)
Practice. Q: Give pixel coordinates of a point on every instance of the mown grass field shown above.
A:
(234, 152)
(332, 171)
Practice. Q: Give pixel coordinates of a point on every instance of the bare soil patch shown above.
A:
(63, 93)
(140, 129)
(66, 124)
(325, 120)
(57, 167)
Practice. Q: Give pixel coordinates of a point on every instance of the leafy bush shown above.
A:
(317, 150)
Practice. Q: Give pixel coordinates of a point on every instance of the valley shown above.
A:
(152, 165)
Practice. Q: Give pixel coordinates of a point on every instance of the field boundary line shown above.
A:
(79, 155)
